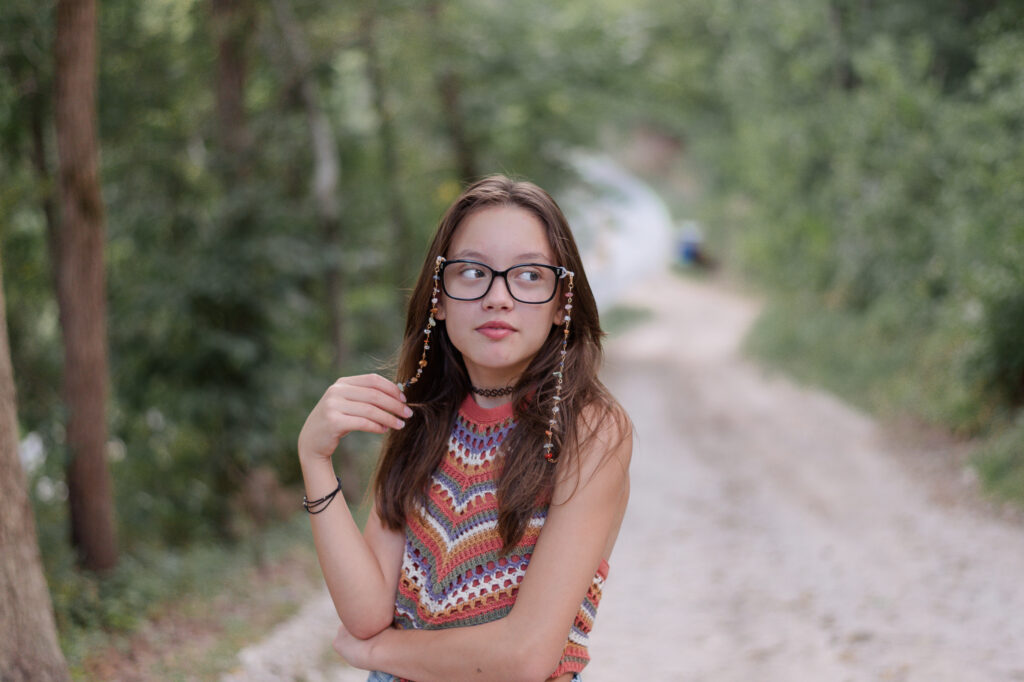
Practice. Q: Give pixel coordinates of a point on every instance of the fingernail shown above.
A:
(408, 412)
(404, 399)
(401, 424)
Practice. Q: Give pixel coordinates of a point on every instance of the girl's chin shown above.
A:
(495, 367)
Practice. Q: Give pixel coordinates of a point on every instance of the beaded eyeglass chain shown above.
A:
(559, 374)
(431, 323)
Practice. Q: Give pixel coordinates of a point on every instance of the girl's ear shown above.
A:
(559, 316)
(440, 308)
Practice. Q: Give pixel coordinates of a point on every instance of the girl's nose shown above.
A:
(499, 296)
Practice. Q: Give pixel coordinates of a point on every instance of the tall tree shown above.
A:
(405, 265)
(326, 166)
(232, 23)
(28, 636)
(81, 286)
(449, 88)
(326, 174)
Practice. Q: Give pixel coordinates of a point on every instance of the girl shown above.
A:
(504, 473)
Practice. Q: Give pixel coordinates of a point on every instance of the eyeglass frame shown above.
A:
(560, 271)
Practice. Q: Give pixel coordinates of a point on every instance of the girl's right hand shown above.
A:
(368, 403)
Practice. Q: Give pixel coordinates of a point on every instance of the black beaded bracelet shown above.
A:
(317, 506)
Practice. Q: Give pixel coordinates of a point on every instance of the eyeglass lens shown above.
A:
(526, 283)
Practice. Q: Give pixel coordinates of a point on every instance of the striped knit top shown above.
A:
(453, 570)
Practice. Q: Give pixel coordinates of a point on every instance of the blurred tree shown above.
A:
(404, 260)
(232, 23)
(28, 636)
(326, 172)
(449, 90)
(326, 168)
(862, 152)
(81, 288)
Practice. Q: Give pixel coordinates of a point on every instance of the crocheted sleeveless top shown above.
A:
(454, 572)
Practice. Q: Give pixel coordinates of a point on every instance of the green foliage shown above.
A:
(216, 265)
(893, 358)
(91, 611)
(1000, 463)
(620, 318)
(869, 168)
(862, 159)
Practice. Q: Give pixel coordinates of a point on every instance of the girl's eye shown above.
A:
(470, 272)
(529, 276)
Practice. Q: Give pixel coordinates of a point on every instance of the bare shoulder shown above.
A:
(604, 450)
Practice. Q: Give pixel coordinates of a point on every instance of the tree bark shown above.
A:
(28, 635)
(405, 267)
(326, 169)
(844, 76)
(232, 22)
(326, 175)
(81, 286)
(449, 88)
(37, 123)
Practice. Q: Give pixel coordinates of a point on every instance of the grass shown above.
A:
(894, 362)
(191, 611)
(1000, 464)
(620, 318)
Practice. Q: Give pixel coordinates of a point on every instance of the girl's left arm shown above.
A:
(527, 645)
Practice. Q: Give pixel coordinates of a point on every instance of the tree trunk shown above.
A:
(326, 174)
(405, 267)
(449, 87)
(232, 23)
(28, 636)
(844, 76)
(37, 124)
(326, 168)
(81, 288)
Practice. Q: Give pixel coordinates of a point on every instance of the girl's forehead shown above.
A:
(506, 233)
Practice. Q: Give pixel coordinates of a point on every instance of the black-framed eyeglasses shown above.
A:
(470, 280)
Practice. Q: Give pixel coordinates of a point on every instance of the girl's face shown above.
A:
(497, 335)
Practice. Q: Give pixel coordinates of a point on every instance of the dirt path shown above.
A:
(773, 534)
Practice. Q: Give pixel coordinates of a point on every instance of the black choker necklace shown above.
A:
(492, 392)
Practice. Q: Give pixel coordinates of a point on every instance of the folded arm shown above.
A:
(527, 644)
(360, 569)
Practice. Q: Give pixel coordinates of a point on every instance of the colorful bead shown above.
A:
(559, 373)
(426, 330)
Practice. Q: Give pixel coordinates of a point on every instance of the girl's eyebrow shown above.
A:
(522, 257)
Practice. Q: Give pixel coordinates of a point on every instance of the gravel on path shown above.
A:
(773, 533)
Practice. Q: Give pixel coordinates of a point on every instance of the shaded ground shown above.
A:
(192, 637)
(773, 532)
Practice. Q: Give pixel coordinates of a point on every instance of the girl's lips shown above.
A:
(495, 333)
(495, 330)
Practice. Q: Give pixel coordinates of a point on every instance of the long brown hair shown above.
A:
(410, 455)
